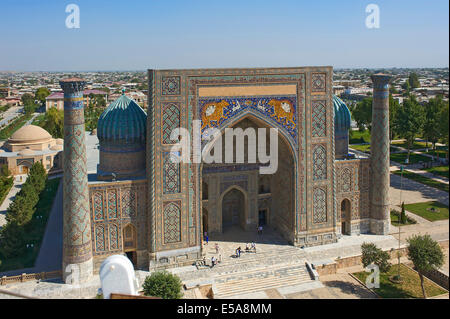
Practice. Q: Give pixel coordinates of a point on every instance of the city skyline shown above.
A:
(141, 35)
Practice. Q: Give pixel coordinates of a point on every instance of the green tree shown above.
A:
(371, 254)
(394, 105)
(41, 94)
(431, 129)
(11, 240)
(426, 255)
(21, 210)
(54, 122)
(163, 284)
(27, 99)
(443, 125)
(362, 114)
(413, 80)
(409, 121)
(37, 177)
(406, 88)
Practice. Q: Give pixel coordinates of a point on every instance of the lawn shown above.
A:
(409, 288)
(413, 158)
(416, 145)
(35, 228)
(423, 210)
(360, 147)
(395, 217)
(424, 180)
(357, 137)
(439, 170)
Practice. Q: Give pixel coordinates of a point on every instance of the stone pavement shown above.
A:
(410, 191)
(336, 286)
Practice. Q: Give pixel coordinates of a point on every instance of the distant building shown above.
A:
(28, 145)
(56, 99)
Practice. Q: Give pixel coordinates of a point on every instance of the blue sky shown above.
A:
(136, 35)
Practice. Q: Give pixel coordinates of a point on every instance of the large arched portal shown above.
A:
(238, 194)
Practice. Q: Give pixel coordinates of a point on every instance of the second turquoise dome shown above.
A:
(122, 121)
(342, 116)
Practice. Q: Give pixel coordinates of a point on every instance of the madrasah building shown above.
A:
(143, 204)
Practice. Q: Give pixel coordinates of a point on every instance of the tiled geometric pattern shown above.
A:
(100, 238)
(345, 180)
(171, 175)
(318, 82)
(170, 85)
(171, 121)
(128, 203)
(172, 223)
(112, 204)
(98, 206)
(319, 119)
(113, 237)
(319, 206)
(319, 163)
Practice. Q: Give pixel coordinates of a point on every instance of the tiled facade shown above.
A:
(166, 212)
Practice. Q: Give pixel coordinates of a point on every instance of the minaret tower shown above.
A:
(77, 246)
(379, 160)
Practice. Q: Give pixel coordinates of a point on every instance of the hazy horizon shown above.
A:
(117, 36)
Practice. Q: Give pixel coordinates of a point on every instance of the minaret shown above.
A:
(77, 246)
(379, 159)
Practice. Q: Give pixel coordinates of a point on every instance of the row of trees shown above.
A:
(6, 181)
(20, 213)
(424, 252)
(410, 119)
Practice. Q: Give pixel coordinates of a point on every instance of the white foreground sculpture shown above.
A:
(117, 276)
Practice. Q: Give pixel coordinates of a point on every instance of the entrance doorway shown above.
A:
(262, 217)
(345, 217)
(130, 243)
(132, 256)
(233, 208)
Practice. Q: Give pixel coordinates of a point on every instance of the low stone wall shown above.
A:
(332, 266)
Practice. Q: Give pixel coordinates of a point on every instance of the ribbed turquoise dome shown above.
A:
(123, 120)
(342, 116)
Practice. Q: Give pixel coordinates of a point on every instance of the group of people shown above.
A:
(215, 261)
(248, 248)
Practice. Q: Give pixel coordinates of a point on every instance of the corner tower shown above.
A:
(77, 245)
(379, 160)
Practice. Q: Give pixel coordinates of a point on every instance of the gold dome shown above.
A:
(29, 134)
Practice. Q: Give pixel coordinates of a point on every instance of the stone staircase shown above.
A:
(273, 266)
(259, 280)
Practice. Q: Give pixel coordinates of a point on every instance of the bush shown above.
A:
(163, 284)
(403, 218)
(371, 254)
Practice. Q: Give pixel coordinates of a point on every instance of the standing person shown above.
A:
(206, 239)
(253, 246)
(239, 251)
(213, 261)
(220, 258)
(217, 248)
